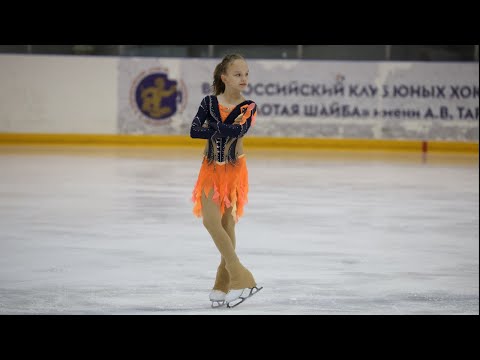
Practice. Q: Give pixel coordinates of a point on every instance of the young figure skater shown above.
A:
(221, 190)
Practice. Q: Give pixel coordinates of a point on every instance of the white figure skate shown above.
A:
(236, 297)
(217, 298)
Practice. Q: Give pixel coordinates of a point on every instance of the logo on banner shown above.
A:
(156, 97)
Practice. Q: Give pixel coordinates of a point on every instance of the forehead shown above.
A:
(238, 65)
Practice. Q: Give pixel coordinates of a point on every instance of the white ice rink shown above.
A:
(105, 230)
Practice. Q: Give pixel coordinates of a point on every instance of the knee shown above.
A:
(210, 222)
(228, 222)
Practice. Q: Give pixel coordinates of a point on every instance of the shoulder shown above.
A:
(208, 99)
(208, 104)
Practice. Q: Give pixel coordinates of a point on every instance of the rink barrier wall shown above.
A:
(254, 142)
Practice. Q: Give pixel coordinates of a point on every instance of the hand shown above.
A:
(238, 120)
(245, 114)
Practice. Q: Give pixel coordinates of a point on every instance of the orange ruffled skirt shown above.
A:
(229, 183)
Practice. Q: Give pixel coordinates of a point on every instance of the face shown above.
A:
(236, 77)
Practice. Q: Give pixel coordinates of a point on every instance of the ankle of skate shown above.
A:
(217, 298)
(217, 295)
(240, 276)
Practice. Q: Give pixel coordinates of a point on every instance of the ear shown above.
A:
(222, 77)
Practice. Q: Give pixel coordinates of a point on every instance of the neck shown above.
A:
(232, 96)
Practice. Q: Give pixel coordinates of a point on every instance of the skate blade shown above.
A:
(217, 304)
(241, 299)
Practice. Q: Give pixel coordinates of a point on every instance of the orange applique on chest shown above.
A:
(245, 109)
(224, 112)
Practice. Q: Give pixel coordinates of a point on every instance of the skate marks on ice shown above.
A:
(414, 249)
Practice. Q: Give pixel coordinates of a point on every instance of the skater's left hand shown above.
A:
(239, 120)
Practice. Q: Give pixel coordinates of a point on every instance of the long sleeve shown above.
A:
(197, 131)
(236, 130)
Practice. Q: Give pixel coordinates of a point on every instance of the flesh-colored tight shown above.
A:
(231, 274)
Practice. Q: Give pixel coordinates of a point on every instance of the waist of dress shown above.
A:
(224, 162)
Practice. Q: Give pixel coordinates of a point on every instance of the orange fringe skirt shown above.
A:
(229, 183)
